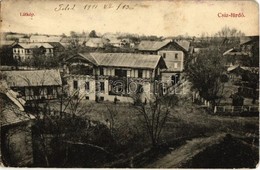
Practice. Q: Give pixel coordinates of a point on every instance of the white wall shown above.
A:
(171, 61)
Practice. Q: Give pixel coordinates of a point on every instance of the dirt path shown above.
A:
(181, 155)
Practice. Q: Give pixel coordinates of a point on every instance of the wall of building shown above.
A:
(28, 93)
(81, 81)
(95, 91)
(110, 71)
(167, 77)
(174, 59)
(21, 54)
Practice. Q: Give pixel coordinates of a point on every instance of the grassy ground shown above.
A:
(186, 121)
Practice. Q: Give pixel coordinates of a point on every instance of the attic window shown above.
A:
(176, 56)
(164, 55)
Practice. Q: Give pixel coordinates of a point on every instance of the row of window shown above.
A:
(87, 85)
(122, 72)
(100, 86)
(36, 91)
(113, 89)
(175, 55)
(26, 51)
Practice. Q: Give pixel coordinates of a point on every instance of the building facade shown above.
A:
(115, 75)
(34, 85)
(246, 54)
(23, 51)
(172, 53)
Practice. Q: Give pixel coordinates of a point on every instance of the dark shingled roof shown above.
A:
(151, 45)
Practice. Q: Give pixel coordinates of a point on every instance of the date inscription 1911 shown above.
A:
(93, 6)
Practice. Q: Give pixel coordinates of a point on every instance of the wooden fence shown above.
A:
(196, 96)
(225, 109)
(235, 109)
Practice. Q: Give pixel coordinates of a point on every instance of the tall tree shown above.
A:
(93, 34)
(207, 74)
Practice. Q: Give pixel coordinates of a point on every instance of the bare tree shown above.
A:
(112, 113)
(154, 115)
(229, 32)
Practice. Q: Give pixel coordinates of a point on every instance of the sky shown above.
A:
(162, 18)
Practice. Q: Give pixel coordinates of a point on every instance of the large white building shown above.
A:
(107, 75)
(23, 51)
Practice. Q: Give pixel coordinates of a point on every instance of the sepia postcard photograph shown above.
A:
(129, 84)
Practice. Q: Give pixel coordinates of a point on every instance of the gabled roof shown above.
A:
(152, 45)
(89, 58)
(65, 40)
(34, 45)
(95, 41)
(234, 51)
(184, 44)
(45, 38)
(7, 43)
(33, 78)
(56, 45)
(10, 113)
(12, 36)
(158, 45)
(23, 40)
(248, 40)
(128, 60)
(238, 68)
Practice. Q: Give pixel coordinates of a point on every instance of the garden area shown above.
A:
(129, 144)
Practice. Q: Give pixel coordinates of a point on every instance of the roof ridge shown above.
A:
(94, 58)
(83, 55)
